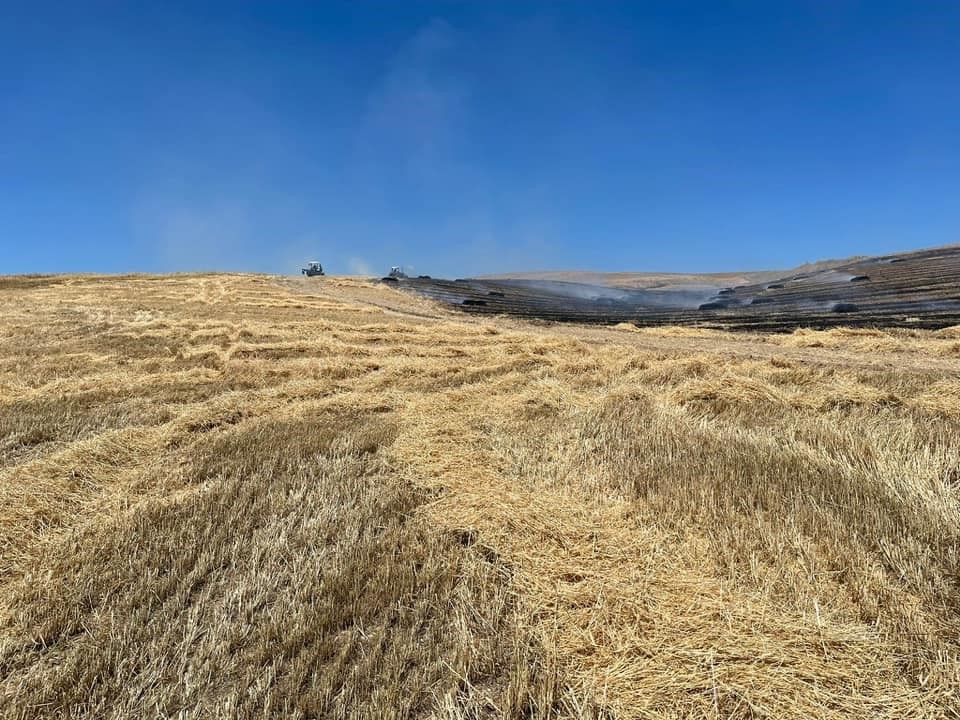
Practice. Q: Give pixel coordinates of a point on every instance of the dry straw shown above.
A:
(655, 523)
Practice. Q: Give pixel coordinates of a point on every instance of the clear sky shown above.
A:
(462, 138)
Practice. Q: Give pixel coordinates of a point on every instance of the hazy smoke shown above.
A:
(359, 266)
(664, 299)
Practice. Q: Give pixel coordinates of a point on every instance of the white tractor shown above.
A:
(312, 268)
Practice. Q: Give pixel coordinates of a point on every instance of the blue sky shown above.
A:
(463, 138)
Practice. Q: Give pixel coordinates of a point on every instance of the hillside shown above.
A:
(237, 495)
(915, 289)
(646, 280)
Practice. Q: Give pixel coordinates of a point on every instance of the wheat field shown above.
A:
(248, 496)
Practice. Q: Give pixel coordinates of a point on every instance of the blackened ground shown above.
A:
(919, 289)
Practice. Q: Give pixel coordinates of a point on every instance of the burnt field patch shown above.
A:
(920, 289)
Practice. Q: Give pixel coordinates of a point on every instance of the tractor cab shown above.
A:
(312, 268)
(397, 273)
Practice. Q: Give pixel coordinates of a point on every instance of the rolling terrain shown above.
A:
(238, 496)
(646, 280)
(918, 289)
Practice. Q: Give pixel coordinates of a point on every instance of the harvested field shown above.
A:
(236, 495)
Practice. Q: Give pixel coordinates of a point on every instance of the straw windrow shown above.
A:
(530, 520)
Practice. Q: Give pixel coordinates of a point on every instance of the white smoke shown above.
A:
(359, 266)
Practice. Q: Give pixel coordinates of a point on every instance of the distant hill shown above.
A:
(914, 289)
(652, 280)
